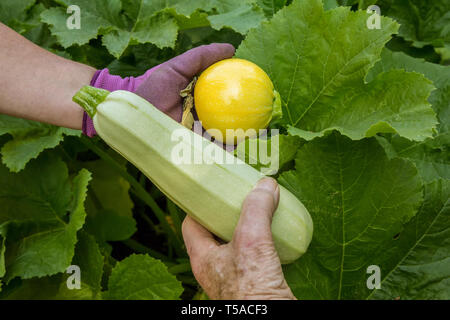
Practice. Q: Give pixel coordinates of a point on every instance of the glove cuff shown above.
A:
(102, 79)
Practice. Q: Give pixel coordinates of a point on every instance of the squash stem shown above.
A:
(89, 98)
(277, 112)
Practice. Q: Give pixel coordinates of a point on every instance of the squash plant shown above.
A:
(364, 139)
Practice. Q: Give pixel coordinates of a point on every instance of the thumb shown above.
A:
(254, 226)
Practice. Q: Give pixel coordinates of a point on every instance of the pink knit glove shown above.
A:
(161, 85)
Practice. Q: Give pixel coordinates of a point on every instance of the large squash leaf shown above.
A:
(319, 66)
(421, 254)
(358, 200)
(42, 210)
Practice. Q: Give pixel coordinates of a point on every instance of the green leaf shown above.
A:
(330, 4)
(109, 262)
(87, 257)
(268, 155)
(239, 15)
(32, 289)
(420, 257)
(23, 17)
(2, 257)
(95, 17)
(12, 11)
(241, 19)
(30, 138)
(440, 75)
(319, 65)
(270, 7)
(431, 157)
(107, 225)
(90, 261)
(99, 17)
(141, 277)
(444, 53)
(40, 192)
(196, 20)
(422, 22)
(34, 30)
(161, 30)
(147, 21)
(347, 2)
(358, 200)
(108, 206)
(41, 214)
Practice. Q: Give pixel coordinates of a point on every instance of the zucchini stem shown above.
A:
(89, 98)
(277, 112)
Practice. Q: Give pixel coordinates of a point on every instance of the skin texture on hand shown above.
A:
(248, 267)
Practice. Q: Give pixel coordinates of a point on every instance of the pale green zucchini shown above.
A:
(210, 193)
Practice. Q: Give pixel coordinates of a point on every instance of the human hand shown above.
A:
(248, 267)
(162, 84)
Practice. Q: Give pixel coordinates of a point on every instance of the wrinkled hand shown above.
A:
(248, 267)
(163, 85)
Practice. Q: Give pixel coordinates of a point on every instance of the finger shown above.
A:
(194, 61)
(163, 85)
(197, 239)
(254, 226)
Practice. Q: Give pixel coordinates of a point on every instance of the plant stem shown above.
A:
(142, 180)
(147, 219)
(173, 268)
(173, 211)
(180, 268)
(187, 280)
(138, 247)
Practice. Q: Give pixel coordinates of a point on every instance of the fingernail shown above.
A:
(270, 185)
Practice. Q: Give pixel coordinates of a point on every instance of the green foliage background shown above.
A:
(364, 145)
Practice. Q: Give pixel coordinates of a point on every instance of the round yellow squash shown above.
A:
(234, 94)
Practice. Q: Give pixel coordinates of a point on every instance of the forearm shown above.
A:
(38, 85)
